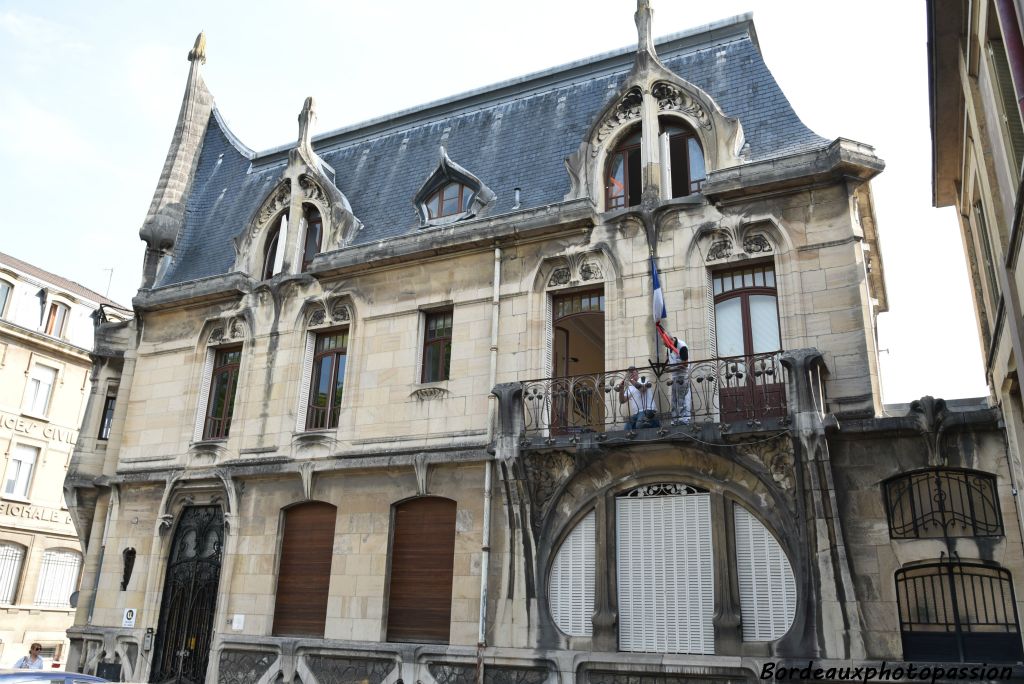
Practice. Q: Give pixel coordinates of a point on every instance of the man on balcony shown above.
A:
(639, 394)
(678, 355)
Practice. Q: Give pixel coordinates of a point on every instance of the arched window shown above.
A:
(273, 249)
(304, 572)
(12, 556)
(450, 199)
(683, 159)
(312, 240)
(58, 578)
(624, 183)
(767, 586)
(571, 583)
(665, 570)
(422, 567)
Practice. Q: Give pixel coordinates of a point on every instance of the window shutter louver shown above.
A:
(571, 585)
(767, 585)
(304, 383)
(709, 302)
(304, 570)
(11, 559)
(665, 574)
(204, 395)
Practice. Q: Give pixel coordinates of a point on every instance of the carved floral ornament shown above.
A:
(722, 247)
(278, 201)
(626, 110)
(230, 329)
(576, 268)
(675, 99)
(340, 313)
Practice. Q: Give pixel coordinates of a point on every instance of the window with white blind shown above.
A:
(12, 557)
(571, 584)
(20, 465)
(665, 570)
(767, 586)
(58, 578)
(41, 380)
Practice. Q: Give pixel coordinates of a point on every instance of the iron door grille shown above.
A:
(943, 502)
(958, 611)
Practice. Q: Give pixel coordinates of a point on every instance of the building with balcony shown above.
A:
(394, 407)
(46, 334)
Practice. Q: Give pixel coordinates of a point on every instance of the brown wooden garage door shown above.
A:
(304, 576)
(422, 553)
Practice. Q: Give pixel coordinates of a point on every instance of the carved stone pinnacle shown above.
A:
(644, 18)
(307, 117)
(198, 51)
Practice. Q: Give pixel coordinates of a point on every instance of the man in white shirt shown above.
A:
(638, 393)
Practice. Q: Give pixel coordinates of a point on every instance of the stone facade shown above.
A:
(46, 332)
(774, 472)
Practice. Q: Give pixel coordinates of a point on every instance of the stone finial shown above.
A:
(307, 117)
(198, 51)
(644, 18)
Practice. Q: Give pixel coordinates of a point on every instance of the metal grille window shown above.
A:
(328, 380)
(12, 557)
(58, 578)
(437, 346)
(223, 384)
(107, 417)
(943, 502)
(571, 584)
(958, 611)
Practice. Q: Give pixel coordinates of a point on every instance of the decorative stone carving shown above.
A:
(349, 670)
(422, 469)
(628, 109)
(243, 667)
(662, 489)
(545, 474)
(673, 98)
(754, 244)
(515, 675)
(777, 456)
(231, 329)
(560, 276)
(428, 393)
(720, 249)
(340, 313)
(591, 270)
(278, 201)
(312, 191)
(451, 673)
(318, 317)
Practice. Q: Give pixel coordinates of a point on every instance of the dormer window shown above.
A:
(449, 200)
(314, 236)
(273, 250)
(624, 173)
(682, 164)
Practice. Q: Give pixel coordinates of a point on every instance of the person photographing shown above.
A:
(638, 393)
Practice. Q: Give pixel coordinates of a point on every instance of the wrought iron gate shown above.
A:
(190, 597)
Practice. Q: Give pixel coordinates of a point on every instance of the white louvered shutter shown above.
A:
(709, 301)
(304, 383)
(571, 585)
(767, 586)
(204, 395)
(665, 574)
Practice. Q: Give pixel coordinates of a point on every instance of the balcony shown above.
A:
(735, 394)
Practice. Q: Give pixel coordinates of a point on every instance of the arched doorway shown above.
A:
(189, 600)
(577, 357)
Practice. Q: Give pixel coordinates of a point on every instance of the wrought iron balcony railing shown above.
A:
(726, 390)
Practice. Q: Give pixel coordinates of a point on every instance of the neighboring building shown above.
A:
(371, 421)
(976, 71)
(46, 333)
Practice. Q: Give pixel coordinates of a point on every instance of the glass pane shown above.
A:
(633, 176)
(769, 277)
(616, 181)
(764, 323)
(5, 291)
(748, 279)
(432, 363)
(451, 200)
(219, 394)
(451, 191)
(13, 469)
(322, 384)
(432, 204)
(697, 173)
(729, 327)
(759, 277)
(312, 246)
(718, 286)
(467, 198)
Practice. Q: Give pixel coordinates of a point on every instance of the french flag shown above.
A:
(659, 296)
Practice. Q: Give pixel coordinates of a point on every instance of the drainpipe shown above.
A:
(485, 548)
(99, 565)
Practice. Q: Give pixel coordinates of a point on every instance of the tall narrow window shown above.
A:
(273, 249)
(58, 578)
(223, 383)
(450, 199)
(41, 380)
(57, 319)
(311, 243)
(624, 183)
(304, 573)
(107, 418)
(5, 295)
(19, 470)
(328, 380)
(12, 557)
(422, 567)
(665, 570)
(437, 346)
(684, 160)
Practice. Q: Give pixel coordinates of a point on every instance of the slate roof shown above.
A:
(56, 280)
(513, 135)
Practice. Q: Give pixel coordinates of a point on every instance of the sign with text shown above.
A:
(129, 617)
(26, 426)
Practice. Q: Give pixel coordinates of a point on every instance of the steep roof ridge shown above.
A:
(690, 40)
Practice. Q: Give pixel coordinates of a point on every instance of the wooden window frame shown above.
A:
(107, 417)
(682, 136)
(333, 409)
(464, 200)
(56, 326)
(744, 293)
(444, 373)
(626, 150)
(313, 218)
(219, 427)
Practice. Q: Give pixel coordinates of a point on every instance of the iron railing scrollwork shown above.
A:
(943, 502)
(722, 390)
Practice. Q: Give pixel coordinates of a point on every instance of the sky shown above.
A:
(90, 95)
